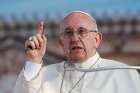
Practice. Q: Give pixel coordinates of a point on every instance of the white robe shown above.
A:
(49, 79)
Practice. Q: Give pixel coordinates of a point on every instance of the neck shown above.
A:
(77, 61)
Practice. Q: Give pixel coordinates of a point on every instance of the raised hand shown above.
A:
(35, 46)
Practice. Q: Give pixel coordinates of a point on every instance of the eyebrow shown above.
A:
(68, 28)
(82, 28)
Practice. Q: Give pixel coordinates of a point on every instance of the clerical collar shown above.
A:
(87, 63)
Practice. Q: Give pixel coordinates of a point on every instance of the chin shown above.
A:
(77, 58)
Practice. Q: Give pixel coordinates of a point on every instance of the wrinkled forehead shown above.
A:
(77, 17)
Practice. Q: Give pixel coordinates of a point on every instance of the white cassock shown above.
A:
(55, 79)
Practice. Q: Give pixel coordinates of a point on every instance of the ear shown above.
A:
(98, 39)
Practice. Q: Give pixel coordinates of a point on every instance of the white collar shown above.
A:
(89, 62)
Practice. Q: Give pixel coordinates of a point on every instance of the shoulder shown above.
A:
(109, 62)
(126, 73)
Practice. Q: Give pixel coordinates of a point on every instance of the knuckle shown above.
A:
(38, 35)
(34, 37)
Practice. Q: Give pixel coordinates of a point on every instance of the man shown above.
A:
(79, 38)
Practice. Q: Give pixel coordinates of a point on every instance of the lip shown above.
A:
(76, 47)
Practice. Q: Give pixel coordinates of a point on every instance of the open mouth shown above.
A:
(76, 47)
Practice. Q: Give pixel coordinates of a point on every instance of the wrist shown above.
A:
(37, 61)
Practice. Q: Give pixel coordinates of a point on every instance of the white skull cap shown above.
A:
(87, 14)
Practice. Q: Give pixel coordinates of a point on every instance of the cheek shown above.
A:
(90, 45)
(66, 47)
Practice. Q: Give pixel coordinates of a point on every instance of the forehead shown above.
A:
(77, 19)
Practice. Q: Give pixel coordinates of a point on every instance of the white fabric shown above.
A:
(112, 81)
(31, 70)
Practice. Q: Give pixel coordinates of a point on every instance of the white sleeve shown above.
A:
(31, 70)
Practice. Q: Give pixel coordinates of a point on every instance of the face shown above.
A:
(79, 39)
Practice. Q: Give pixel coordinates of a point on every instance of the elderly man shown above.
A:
(79, 38)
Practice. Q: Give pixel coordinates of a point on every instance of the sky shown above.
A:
(18, 7)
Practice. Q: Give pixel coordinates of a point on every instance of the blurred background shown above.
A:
(118, 20)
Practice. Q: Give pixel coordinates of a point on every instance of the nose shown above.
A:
(75, 37)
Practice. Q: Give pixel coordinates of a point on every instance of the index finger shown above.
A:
(41, 28)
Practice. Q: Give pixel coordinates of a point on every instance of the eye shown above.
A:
(82, 31)
(68, 33)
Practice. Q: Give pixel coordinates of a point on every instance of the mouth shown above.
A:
(76, 48)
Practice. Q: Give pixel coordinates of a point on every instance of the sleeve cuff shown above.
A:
(31, 70)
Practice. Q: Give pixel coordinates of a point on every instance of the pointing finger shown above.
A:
(41, 28)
